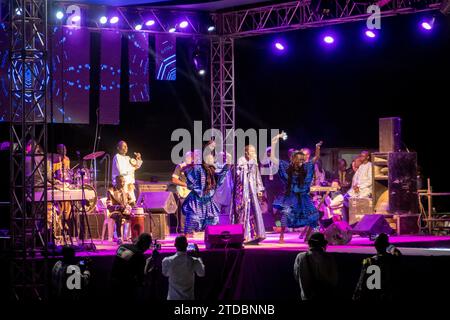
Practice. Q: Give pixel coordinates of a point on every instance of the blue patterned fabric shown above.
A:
(199, 206)
(297, 207)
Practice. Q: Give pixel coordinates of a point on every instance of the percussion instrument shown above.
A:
(322, 189)
(90, 197)
(93, 156)
(78, 175)
(137, 221)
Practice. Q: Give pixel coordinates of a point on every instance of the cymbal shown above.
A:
(94, 155)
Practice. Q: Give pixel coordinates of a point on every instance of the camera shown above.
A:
(191, 247)
(156, 245)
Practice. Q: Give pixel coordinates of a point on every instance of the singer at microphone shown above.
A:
(125, 166)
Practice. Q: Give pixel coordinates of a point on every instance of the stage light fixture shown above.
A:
(59, 15)
(150, 23)
(199, 59)
(427, 24)
(18, 11)
(138, 27)
(211, 28)
(114, 20)
(370, 34)
(202, 72)
(280, 46)
(183, 24)
(328, 39)
(173, 29)
(103, 20)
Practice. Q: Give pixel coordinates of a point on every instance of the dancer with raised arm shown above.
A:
(199, 206)
(295, 204)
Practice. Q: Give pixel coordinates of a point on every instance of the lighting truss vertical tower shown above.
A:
(28, 171)
(222, 89)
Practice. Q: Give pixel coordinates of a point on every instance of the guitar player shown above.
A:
(119, 204)
(179, 180)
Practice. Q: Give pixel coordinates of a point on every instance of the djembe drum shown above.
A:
(137, 221)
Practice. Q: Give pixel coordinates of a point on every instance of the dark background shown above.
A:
(314, 93)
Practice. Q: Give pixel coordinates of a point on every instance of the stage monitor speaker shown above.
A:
(338, 233)
(372, 224)
(158, 202)
(224, 236)
(390, 134)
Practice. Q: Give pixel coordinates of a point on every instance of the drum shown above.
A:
(78, 176)
(137, 221)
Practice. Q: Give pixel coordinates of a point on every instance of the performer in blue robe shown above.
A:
(199, 206)
(296, 204)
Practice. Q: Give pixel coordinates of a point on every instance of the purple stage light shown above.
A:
(427, 24)
(103, 20)
(59, 15)
(279, 46)
(183, 24)
(370, 34)
(114, 20)
(150, 22)
(171, 30)
(138, 27)
(328, 39)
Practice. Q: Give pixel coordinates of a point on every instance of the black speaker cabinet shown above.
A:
(372, 224)
(224, 236)
(390, 134)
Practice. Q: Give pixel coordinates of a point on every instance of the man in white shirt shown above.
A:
(181, 269)
(125, 166)
(362, 180)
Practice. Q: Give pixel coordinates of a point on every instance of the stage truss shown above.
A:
(288, 16)
(28, 115)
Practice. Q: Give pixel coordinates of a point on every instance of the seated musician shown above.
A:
(334, 204)
(119, 204)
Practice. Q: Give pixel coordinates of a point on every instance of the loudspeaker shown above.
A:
(390, 137)
(402, 183)
(224, 236)
(161, 202)
(159, 225)
(358, 207)
(372, 224)
(95, 221)
(338, 233)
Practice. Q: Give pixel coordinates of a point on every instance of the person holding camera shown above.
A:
(181, 269)
(69, 277)
(129, 265)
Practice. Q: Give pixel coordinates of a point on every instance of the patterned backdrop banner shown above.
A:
(4, 69)
(70, 72)
(110, 77)
(166, 57)
(138, 57)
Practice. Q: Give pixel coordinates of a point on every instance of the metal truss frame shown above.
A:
(222, 89)
(28, 115)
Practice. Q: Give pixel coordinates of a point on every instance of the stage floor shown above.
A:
(415, 245)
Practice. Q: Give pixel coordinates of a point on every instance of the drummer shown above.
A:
(61, 168)
(125, 166)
